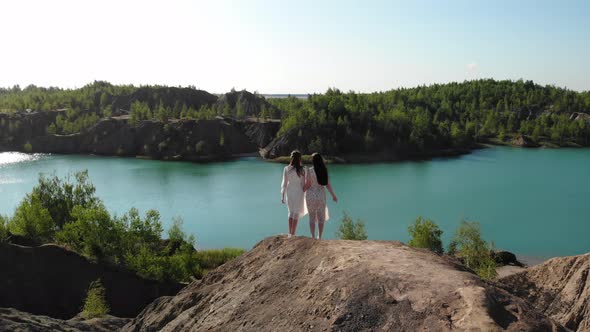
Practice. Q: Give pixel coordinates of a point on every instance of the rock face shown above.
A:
(183, 140)
(524, 141)
(301, 284)
(14, 320)
(50, 280)
(560, 288)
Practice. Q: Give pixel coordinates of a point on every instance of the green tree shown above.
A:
(350, 230)
(60, 195)
(95, 305)
(424, 233)
(93, 233)
(31, 219)
(468, 245)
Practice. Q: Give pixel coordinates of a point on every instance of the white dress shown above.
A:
(292, 188)
(315, 198)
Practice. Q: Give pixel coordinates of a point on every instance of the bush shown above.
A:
(95, 304)
(60, 195)
(349, 230)
(201, 147)
(31, 219)
(425, 233)
(475, 253)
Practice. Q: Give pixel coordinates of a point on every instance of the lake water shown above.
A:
(533, 202)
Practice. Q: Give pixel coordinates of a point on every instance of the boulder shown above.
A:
(559, 288)
(503, 257)
(301, 284)
(524, 141)
(14, 320)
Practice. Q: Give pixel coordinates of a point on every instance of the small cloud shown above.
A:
(472, 70)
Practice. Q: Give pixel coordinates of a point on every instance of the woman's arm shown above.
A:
(284, 185)
(329, 186)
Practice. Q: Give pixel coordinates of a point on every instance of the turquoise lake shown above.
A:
(530, 201)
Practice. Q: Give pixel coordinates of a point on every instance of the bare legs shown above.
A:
(321, 229)
(293, 225)
(313, 218)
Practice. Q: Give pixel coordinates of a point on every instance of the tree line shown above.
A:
(437, 116)
(452, 115)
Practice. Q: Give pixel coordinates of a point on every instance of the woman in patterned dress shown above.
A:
(292, 190)
(316, 180)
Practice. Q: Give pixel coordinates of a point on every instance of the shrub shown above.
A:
(95, 304)
(475, 253)
(425, 233)
(31, 219)
(349, 230)
(210, 259)
(28, 147)
(201, 147)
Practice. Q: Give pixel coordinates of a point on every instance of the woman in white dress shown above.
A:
(316, 180)
(292, 190)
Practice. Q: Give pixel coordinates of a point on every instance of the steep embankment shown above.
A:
(53, 281)
(302, 284)
(179, 140)
(13, 320)
(560, 288)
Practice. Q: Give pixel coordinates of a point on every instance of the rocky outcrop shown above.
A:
(53, 281)
(177, 140)
(262, 133)
(167, 96)
(559, 288)
(301, 284)
(244, 103)
(578, 116)
(524, 141)
(193, 140)
(14, 320)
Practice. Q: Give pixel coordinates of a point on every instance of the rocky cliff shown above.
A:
(301, 284)
(195, 140)
(559, 288)
(53, 281)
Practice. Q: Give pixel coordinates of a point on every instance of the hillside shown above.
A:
(301, 284)
(560, 288)
(53, 281)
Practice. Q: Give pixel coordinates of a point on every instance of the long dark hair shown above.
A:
(321, 172)
(296, 162)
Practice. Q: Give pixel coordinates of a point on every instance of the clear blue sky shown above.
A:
(294, 46)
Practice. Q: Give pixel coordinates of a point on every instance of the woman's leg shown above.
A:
(295, 221)
(321, 219)
(312, 224)
(320, 229)
(290, 226)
